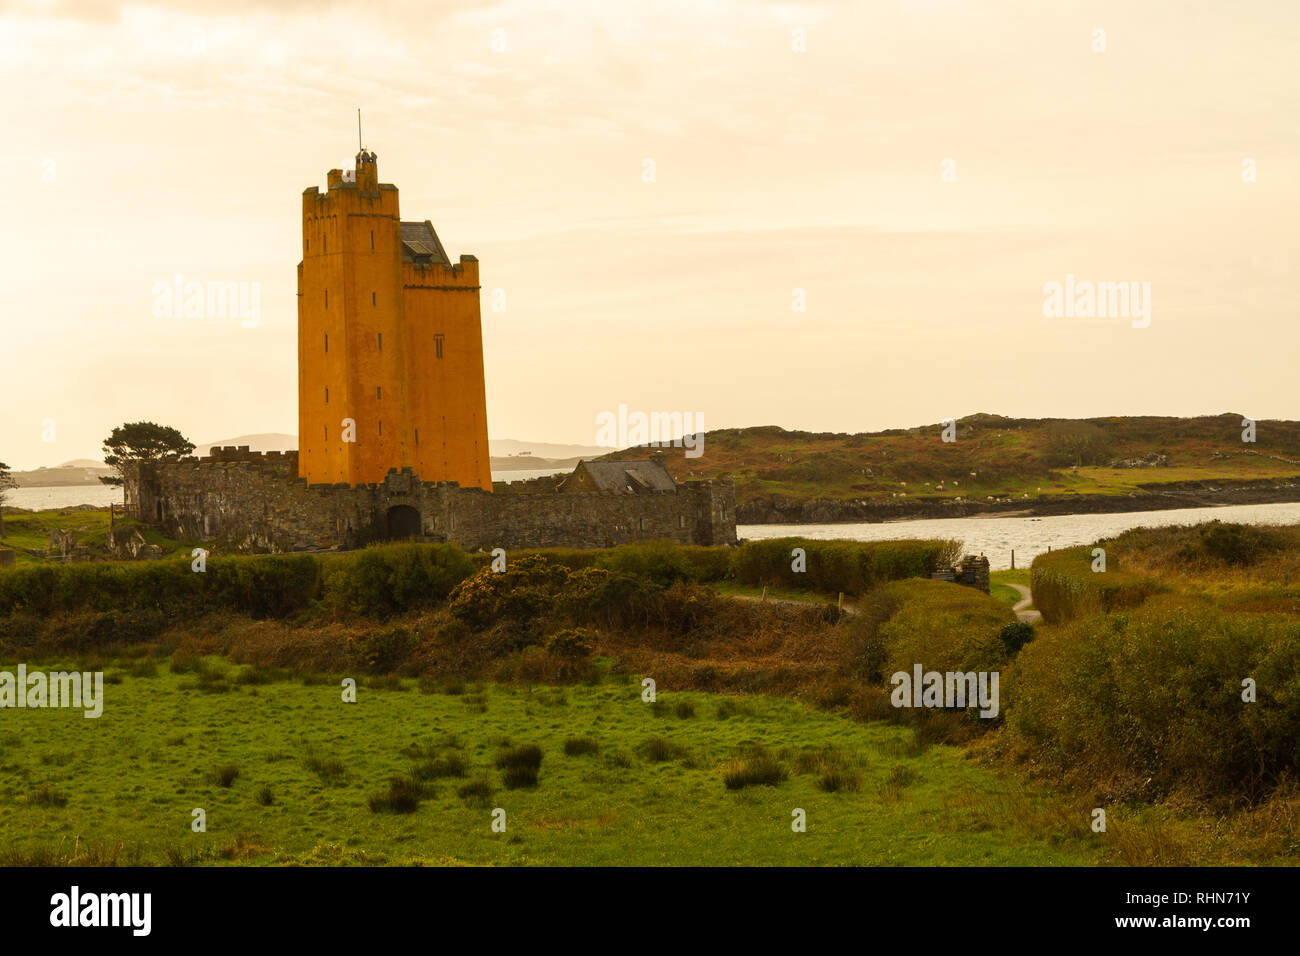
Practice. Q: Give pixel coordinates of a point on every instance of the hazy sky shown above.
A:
(147, 140)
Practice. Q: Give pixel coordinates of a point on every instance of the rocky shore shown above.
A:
(1154, 497)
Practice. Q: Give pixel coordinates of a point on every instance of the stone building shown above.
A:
(973, 572)
(390, 344)
(392, 418)
(621, 477)
(258, 502)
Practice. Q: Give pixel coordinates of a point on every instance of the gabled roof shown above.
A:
(420, 244)
(628, 476)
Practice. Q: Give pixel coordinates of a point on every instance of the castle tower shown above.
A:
(389, 338)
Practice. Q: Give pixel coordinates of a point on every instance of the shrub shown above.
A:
(662, 750)
(329, 769)
(853, 567)
(263, 796)
(661, 563)
(1065, 586)
(1150, 700)
(580, 746)
(839, 780)
(478, 791)
(447, 765)
(224, 775)
(385, 579)
(47, 796)
(943, 627)
(1016, 635)
(528, 756)
(516, 778)
(571, 644)
(757, 767)
(402, 796)
(1238, 544)
(382, 650)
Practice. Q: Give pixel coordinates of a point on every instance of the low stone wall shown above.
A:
(256, 502)
(973, 572)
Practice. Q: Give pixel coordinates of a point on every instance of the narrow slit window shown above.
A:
(327, 298)
(417, 436)
(381, 341)
(379, 391)
(437, 346)
(372, 240)
(372, 298)
(381, 428)
(327, 396)
(327, 341)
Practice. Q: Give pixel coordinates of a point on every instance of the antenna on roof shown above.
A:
(360, 148)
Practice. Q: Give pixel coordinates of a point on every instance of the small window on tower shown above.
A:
(381, 341)
(326, 430)
(327, 396)
(327, 298)
(372, 239)
(379, 391)
(381, 428)
(309, 245)
(437, 346)
(417, 436)
(372, 298)
(327, 341)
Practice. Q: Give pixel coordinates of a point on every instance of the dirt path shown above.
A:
(1022, 606)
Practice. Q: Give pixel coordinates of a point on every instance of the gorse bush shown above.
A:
(386, 579)
(1238, 544)
(1150, 700)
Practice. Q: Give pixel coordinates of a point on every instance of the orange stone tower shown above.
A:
(390, 342)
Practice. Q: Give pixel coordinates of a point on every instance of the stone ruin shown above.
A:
(973, 572)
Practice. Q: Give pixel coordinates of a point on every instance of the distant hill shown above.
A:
(509, 447)
(994, 457)
(529, 463)
(497, 447)
(69, 473)
(262, 441)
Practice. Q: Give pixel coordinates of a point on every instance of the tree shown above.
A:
(7, 481)
(141, 441)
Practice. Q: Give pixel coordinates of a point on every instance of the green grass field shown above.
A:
(652, 794)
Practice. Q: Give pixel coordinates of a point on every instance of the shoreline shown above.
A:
(1170, 497)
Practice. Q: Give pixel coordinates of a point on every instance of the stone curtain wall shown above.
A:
(256, 502)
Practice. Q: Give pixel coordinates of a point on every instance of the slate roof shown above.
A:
(420, 244)
(629, 477)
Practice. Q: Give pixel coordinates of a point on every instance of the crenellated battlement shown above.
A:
(461, 276)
